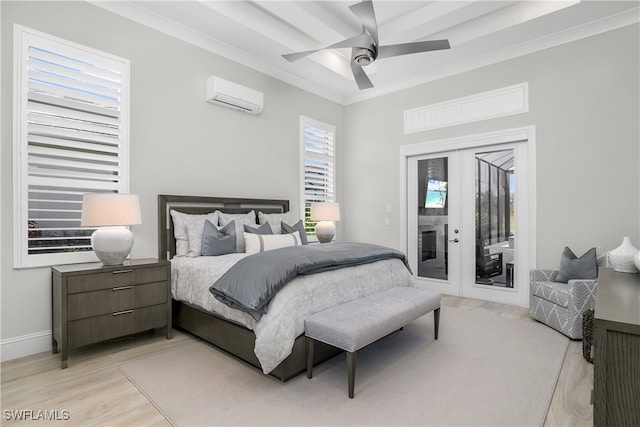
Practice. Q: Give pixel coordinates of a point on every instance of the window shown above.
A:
(494, 196)
(71, 136)
(317, 141)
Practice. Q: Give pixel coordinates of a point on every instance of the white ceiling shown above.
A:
(257, 33)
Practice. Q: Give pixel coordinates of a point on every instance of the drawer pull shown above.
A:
(122, 271)
(118, 313)
(121, 288)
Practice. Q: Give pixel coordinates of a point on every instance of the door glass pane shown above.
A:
(495, 221)
(433, 218)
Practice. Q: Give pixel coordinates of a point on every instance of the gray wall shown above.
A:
(584, 104)
(179, 143)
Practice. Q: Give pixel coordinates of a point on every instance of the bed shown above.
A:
(257, 342)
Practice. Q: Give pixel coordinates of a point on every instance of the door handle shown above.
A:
(454, 240)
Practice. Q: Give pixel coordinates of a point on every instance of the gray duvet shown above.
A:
(253, 281)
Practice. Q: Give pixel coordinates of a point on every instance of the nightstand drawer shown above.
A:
(151, 294)
(151, 317)
(91, 304)
(151, 274)
(100, 328)
(95, 282)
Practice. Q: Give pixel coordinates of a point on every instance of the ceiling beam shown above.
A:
(254, 19)
(435, 17)
(305, 22)
(515, 14)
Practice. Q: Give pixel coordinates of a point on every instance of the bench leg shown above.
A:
(351, 371)
(436, 321)
(309, 343)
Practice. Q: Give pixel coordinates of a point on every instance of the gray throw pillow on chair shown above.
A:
(572, 267)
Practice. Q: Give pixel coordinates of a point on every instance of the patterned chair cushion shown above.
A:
(555, 292)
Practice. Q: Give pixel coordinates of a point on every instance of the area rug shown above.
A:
(484, 370)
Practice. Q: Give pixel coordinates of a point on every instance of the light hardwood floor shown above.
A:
(95, 392)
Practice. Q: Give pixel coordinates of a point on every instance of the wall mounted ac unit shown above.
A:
(233, 95)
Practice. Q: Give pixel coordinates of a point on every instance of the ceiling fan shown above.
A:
(365, 48)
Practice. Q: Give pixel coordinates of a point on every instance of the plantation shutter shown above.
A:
(72, 139)
(318, 140)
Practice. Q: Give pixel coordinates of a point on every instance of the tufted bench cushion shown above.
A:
(355, 324)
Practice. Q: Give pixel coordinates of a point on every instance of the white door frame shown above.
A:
(527, 245)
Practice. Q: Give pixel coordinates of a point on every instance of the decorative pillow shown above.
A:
(240, 219)
(263, 229)
(180, 222)
(265, 242)
(218, 241)
(299, 227)
(195, 230)
(572, 267)
(274, 220)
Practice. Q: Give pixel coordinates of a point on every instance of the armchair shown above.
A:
(561, 305)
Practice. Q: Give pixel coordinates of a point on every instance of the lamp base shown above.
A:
(325, 231)
(112, 245)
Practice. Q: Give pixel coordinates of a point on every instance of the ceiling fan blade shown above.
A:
(292, 57)
(361, 77)
(408, 48)
(364, 11)
(363, 41)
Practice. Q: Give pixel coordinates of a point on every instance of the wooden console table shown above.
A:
(616, 363)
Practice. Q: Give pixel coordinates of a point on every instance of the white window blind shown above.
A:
(318, 165)
(70, 137)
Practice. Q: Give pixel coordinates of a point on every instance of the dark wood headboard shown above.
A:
(202, 205)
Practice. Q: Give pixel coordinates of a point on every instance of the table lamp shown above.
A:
(111, 212)
(326, 214)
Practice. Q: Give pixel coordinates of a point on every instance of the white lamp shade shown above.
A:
(110, 209)
(325, 211)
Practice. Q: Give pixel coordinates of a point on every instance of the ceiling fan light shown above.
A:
(363, 59)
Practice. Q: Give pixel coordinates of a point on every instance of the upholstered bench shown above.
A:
(356, 324)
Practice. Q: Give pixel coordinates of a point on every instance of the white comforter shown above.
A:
(277, 330)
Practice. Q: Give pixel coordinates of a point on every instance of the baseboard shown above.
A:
(25, 345)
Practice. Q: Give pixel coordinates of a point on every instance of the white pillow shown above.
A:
(255, 243)
(181, 221)
(274, 220)
(249, 218)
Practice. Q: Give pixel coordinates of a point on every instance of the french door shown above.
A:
(469, 224)
(434, 221)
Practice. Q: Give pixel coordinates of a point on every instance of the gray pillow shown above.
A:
(572, 267)
(246, 218)
(218, 241)
(299, 227)
(263, 229)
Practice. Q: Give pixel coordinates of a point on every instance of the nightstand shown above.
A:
(93, 302)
